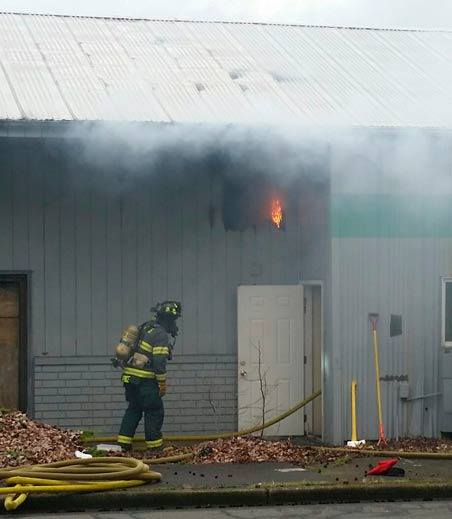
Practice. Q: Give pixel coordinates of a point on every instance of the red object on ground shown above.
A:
(383, 467)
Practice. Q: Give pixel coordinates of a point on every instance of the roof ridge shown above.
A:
(179, 20)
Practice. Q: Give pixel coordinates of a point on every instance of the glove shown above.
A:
(162, 388)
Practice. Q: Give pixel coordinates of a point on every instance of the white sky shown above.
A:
(369, 13)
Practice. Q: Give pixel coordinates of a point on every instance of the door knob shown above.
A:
(242, 372)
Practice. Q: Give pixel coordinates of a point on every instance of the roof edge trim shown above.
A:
(230, 22)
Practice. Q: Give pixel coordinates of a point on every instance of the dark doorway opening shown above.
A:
(13, 341)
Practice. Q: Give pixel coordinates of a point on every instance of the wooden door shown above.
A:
(11, 337)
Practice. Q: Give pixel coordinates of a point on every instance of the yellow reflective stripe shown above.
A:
(139, 372)
(145, 346)
(153, 444)
(160, 350)
(124, 439)
(160, 378)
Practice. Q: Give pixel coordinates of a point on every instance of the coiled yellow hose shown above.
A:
(104, 473)
(109, 473)
(77, 475)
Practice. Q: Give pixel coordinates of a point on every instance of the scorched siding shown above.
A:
(100, 252)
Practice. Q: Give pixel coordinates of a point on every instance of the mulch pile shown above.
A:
(252, 450)
(244, 450)
(23, 441)
(255, 450)
(420, 444)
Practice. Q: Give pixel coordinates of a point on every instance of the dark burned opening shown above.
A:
(253, 201)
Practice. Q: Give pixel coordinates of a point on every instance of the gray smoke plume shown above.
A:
(360, 160)
(281, 153)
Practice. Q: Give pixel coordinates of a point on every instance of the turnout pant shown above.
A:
(143, 398)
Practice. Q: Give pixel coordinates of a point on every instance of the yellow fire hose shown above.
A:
(78, 475)
(226, 435)
(408, 455)
(110, 473)
(103, 473)
(81, 475)
(245, 432)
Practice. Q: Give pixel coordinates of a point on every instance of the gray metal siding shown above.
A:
(390, 249)
(315, 252)
(400, 277)
(100, 256)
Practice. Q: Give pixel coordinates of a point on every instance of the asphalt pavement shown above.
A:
(412, 510)
(269, 484)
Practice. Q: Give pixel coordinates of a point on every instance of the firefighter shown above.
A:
(144, 376)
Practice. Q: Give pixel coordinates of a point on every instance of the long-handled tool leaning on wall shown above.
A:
(381, 430)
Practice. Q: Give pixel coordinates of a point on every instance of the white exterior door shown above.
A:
(270, 356)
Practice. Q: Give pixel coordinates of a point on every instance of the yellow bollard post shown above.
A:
(354, 442)
(354, 395)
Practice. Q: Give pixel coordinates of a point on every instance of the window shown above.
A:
(252, 201)
(447, 312)
(395, 327)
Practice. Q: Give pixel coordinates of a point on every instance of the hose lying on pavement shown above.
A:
(226, 435)
(103, 473)
(245, 432)
(410, 455)
(109, 473)
(77, 475)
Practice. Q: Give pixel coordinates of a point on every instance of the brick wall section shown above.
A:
(86, 393)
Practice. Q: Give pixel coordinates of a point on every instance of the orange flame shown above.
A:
(277, 213)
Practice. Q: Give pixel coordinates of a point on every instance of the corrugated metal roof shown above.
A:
(79, 68)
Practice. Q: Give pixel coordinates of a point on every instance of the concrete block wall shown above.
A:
(86, 393)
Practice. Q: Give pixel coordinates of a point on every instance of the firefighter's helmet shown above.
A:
(166, 314)
(171, 309)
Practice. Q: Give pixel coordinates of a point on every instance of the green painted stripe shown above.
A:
(391, 216)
